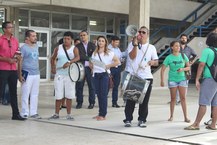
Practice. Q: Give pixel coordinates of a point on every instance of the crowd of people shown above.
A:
(23, 65)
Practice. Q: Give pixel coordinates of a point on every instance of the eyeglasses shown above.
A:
(9, 43)
(82, 35)
(143, 32)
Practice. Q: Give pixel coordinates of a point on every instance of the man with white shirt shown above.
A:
(115, 71)
(142, 56)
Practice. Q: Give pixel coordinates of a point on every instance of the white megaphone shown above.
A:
(131, 30)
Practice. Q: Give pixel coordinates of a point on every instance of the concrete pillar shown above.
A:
(12, 15)
(139, 13)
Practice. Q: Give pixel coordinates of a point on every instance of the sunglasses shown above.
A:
(143, 32)
(9, 43)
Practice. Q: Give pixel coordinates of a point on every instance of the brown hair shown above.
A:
(106, 50)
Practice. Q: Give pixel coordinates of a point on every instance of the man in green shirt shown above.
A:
(208, 87)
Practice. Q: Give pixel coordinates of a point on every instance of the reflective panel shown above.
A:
(79, 22)
(22, 36)
(110, 24)
(123, 43)
(42, 44)
(97, 24)
(93, 38)
(39, 19)
(60, 21)
(23, 17)
(43, 68)
(2, 18)
(123, 25)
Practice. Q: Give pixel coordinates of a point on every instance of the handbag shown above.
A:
(187, 73)
(111, 82)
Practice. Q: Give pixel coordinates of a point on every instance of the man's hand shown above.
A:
(197, 83)
(67, 64)
(12, 60)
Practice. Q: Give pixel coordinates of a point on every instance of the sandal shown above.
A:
(191, 127)
(210, 128)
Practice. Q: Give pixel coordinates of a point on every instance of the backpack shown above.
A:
(213, 66)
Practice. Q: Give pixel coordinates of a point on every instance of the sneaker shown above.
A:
(127, 124)
(178, 102)
(208, 122)
(55, 116)
(36, 116)
(141, 124)
(69, 117)
(25, 116)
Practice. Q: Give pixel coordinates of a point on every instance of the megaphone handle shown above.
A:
(139, 46)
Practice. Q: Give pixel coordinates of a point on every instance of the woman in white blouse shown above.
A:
(101, 74)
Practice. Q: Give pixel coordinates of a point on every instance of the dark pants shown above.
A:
(5, 98)
(91, 88)
(143, 108)
(10, 77)
(116, 74)
(101, 81)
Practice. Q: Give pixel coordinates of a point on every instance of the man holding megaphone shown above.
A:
(142, 56)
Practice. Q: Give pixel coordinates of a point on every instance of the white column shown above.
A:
(139, 13)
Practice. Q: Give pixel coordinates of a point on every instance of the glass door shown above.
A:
(44, 53)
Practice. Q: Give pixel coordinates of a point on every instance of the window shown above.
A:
(110, 24)
(39, 19)
(123, 25)
(23, 17)
(22, 35)
(60, 21)
(79, 22)
(97, 24)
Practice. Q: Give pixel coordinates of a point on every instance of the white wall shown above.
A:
(165, 9)
(172, 9)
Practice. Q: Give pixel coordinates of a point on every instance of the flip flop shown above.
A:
(210, 128)
(191, 128)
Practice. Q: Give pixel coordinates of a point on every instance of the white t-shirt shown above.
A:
(144, 70)
(106, 59)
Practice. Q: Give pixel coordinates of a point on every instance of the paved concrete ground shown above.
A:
(86, 131)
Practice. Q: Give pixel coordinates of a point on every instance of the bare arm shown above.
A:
(199, 73)
(186, 68)
(133, 53)
(53, 61)
(114, 64)
(153, 63)
(163, 68)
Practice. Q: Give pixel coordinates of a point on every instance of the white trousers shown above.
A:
(30, 91)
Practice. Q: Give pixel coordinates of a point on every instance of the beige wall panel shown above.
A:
(172, 9)
(47, 2)
(116, 6)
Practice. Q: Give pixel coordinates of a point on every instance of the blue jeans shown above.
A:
(116, 74)
(91, 88)
(101, 81)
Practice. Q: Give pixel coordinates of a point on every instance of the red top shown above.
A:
(8, 49)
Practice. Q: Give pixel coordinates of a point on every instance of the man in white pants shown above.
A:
(29, 66)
